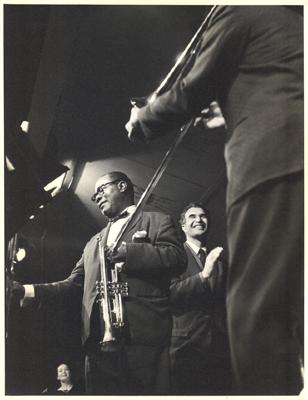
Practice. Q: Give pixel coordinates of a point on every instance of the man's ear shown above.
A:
(122, 186)
(184, 228)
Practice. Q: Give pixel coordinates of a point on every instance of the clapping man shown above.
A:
(199, 346)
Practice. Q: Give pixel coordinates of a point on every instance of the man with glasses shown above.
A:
(152, 254)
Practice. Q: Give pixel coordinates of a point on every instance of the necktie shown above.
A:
(202, 256)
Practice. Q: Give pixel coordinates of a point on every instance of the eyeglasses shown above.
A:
(101, 189)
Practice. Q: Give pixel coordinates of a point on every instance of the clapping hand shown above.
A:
(210, 261)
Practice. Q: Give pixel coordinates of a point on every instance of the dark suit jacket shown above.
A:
(251, 61)
(148, 270)
(198, 309)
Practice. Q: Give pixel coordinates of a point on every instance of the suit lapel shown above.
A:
(194, 255)
(95, 270)
(103, 233)
(129, 232)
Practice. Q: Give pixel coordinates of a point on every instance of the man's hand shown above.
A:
(132, 126)
(210, 262)
(120, 254)
(16, 290)
(211, 118)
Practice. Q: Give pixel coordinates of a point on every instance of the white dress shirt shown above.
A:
(116, 226)
(195, 248)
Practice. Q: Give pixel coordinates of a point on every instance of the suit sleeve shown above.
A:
(164, 252)
(69, 286)
(221, 49)
(188, 290)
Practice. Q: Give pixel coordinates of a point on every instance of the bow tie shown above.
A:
(123, 214)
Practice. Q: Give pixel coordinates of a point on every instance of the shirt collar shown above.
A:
(130, 209)
(195, 247)
(124, 213)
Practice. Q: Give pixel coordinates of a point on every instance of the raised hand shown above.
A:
(210, 261)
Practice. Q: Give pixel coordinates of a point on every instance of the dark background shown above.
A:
(71, 71)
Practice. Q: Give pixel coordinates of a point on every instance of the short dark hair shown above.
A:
(120, 176)
(197, 205)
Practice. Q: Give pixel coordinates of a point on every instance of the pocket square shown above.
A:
(140, 237)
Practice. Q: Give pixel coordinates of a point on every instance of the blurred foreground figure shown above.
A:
(251, 61)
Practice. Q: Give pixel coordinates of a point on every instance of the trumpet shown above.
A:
(109, 297)
(110, 291)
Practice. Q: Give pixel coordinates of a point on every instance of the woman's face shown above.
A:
(64, 373)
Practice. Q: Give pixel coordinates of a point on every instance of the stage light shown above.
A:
(56, 185)
(9, 165)
(21, 254)
(31, 182)
(25, 126)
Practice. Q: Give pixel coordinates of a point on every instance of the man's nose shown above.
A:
(98, 197)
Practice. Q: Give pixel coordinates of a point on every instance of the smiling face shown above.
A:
(63, 373)
(110, 195)
(195, 223)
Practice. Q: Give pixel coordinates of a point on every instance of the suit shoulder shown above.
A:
(158, 218)
(230, 10)
(189, 252)
(238, 14)
(156, 215)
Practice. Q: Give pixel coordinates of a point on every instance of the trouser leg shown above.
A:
(104, 373)
(136, 369)
(265, 292)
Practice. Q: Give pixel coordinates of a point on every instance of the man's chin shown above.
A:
(200, 233)
(107, 212)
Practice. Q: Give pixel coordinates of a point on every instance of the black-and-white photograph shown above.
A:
(153, 199)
